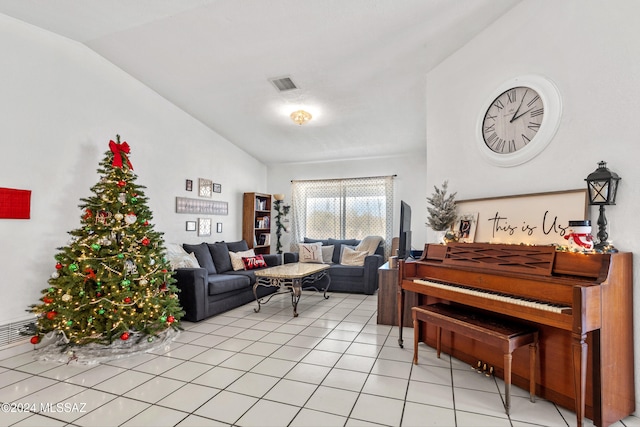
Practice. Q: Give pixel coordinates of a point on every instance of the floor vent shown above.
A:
(283, 84)
(11, 333)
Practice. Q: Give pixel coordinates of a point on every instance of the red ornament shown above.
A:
(145, 241)
(51, 315)
(98, 294)
(127, 300)
(88, 214)
(121, 183)
(124, 336)
(35, 340)
(47, 300)
(171, 319)
(146, 223)
(58, 266)
(163, 287)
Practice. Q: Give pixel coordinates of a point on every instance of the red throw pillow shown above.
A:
(253, 262)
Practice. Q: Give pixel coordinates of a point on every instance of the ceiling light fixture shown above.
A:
(300, 117)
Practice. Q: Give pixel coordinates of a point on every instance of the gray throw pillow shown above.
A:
(220, 254)
(203, 255)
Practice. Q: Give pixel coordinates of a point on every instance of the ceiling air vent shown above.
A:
(284, 84)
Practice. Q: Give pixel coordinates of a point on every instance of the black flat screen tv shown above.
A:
(404, 244)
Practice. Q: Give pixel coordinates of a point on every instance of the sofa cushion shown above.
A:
(352, 257)
(179, 258)
(346, 271)
(248, 274)
(369, 244)
(324, 242)
(253, 262)
(236, 258)
(220, 255)
(327, 254)
(201, 251)
(337, 250)
(221, 283)
(238, 246)
(310, 252)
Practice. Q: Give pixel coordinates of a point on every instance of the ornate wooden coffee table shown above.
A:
(294, 277)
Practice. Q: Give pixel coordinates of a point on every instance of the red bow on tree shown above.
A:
(117, 149)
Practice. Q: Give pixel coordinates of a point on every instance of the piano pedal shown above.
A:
(484, 368)
(489, 373)
(478, 367)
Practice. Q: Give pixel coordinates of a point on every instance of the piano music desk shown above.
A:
(506, 337)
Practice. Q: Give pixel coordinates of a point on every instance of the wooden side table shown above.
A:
(388, 297)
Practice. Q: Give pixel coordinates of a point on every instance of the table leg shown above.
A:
(296, 291)
(255, 295)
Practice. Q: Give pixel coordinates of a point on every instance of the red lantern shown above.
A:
(51, 315)
(124, 336)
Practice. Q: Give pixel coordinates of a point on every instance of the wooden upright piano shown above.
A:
(582, 305)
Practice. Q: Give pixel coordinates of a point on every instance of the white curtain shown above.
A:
(350, 208)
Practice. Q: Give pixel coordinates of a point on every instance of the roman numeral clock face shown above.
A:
(513, 120)
(519, 120)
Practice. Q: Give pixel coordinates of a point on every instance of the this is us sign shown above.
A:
(536, 219)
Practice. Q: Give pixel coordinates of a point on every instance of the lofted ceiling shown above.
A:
(359, 65)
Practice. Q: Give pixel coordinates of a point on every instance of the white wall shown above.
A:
(60, 104)
(590, 50)
(409, 184)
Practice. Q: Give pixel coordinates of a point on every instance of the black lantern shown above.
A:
(602, 185)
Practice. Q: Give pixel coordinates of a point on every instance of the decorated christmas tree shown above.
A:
(112, 282)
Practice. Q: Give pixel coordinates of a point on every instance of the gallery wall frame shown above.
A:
(191, 226)
(536, 219)
(199, 206)
(204, 226)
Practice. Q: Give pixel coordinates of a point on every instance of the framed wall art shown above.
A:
(189, 185)
(219, 227)
(205, 187)
(191, 226)
(204, 226)
(217, 188)
(199, 206)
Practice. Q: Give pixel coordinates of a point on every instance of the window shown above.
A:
(350, 208)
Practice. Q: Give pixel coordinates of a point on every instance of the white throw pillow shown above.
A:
(327, 254)
(352, 257)
(310, 252)
(179, 258)
(185, 261)
(236, 258)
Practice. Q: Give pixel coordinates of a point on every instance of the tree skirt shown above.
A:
(56, 349)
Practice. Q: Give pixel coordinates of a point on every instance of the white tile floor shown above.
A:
(331, 366)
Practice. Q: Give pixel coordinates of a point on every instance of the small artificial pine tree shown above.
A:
(112, 281)
(442, 213)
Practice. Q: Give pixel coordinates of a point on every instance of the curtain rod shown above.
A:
(344, 179)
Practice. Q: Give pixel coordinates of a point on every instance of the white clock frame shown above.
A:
(552, 104)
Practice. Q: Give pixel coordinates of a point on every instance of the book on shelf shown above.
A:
(263, 222)
(261, 204)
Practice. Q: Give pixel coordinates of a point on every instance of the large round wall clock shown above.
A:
(519, 120)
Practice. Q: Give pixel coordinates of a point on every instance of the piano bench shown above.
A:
(481, 327)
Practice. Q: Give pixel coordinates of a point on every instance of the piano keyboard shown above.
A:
(539, 305)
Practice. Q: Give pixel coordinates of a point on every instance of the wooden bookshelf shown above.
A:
(256, 222)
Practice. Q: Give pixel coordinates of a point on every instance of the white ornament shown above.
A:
(122, 197)
(143, 281)
(66, 298)
(130, 218)
(55, 275)
(118, 216)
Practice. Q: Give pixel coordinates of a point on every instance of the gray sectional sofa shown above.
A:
(215, 287)
(347, 278)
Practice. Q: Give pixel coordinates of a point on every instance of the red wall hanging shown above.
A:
(14, 203)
